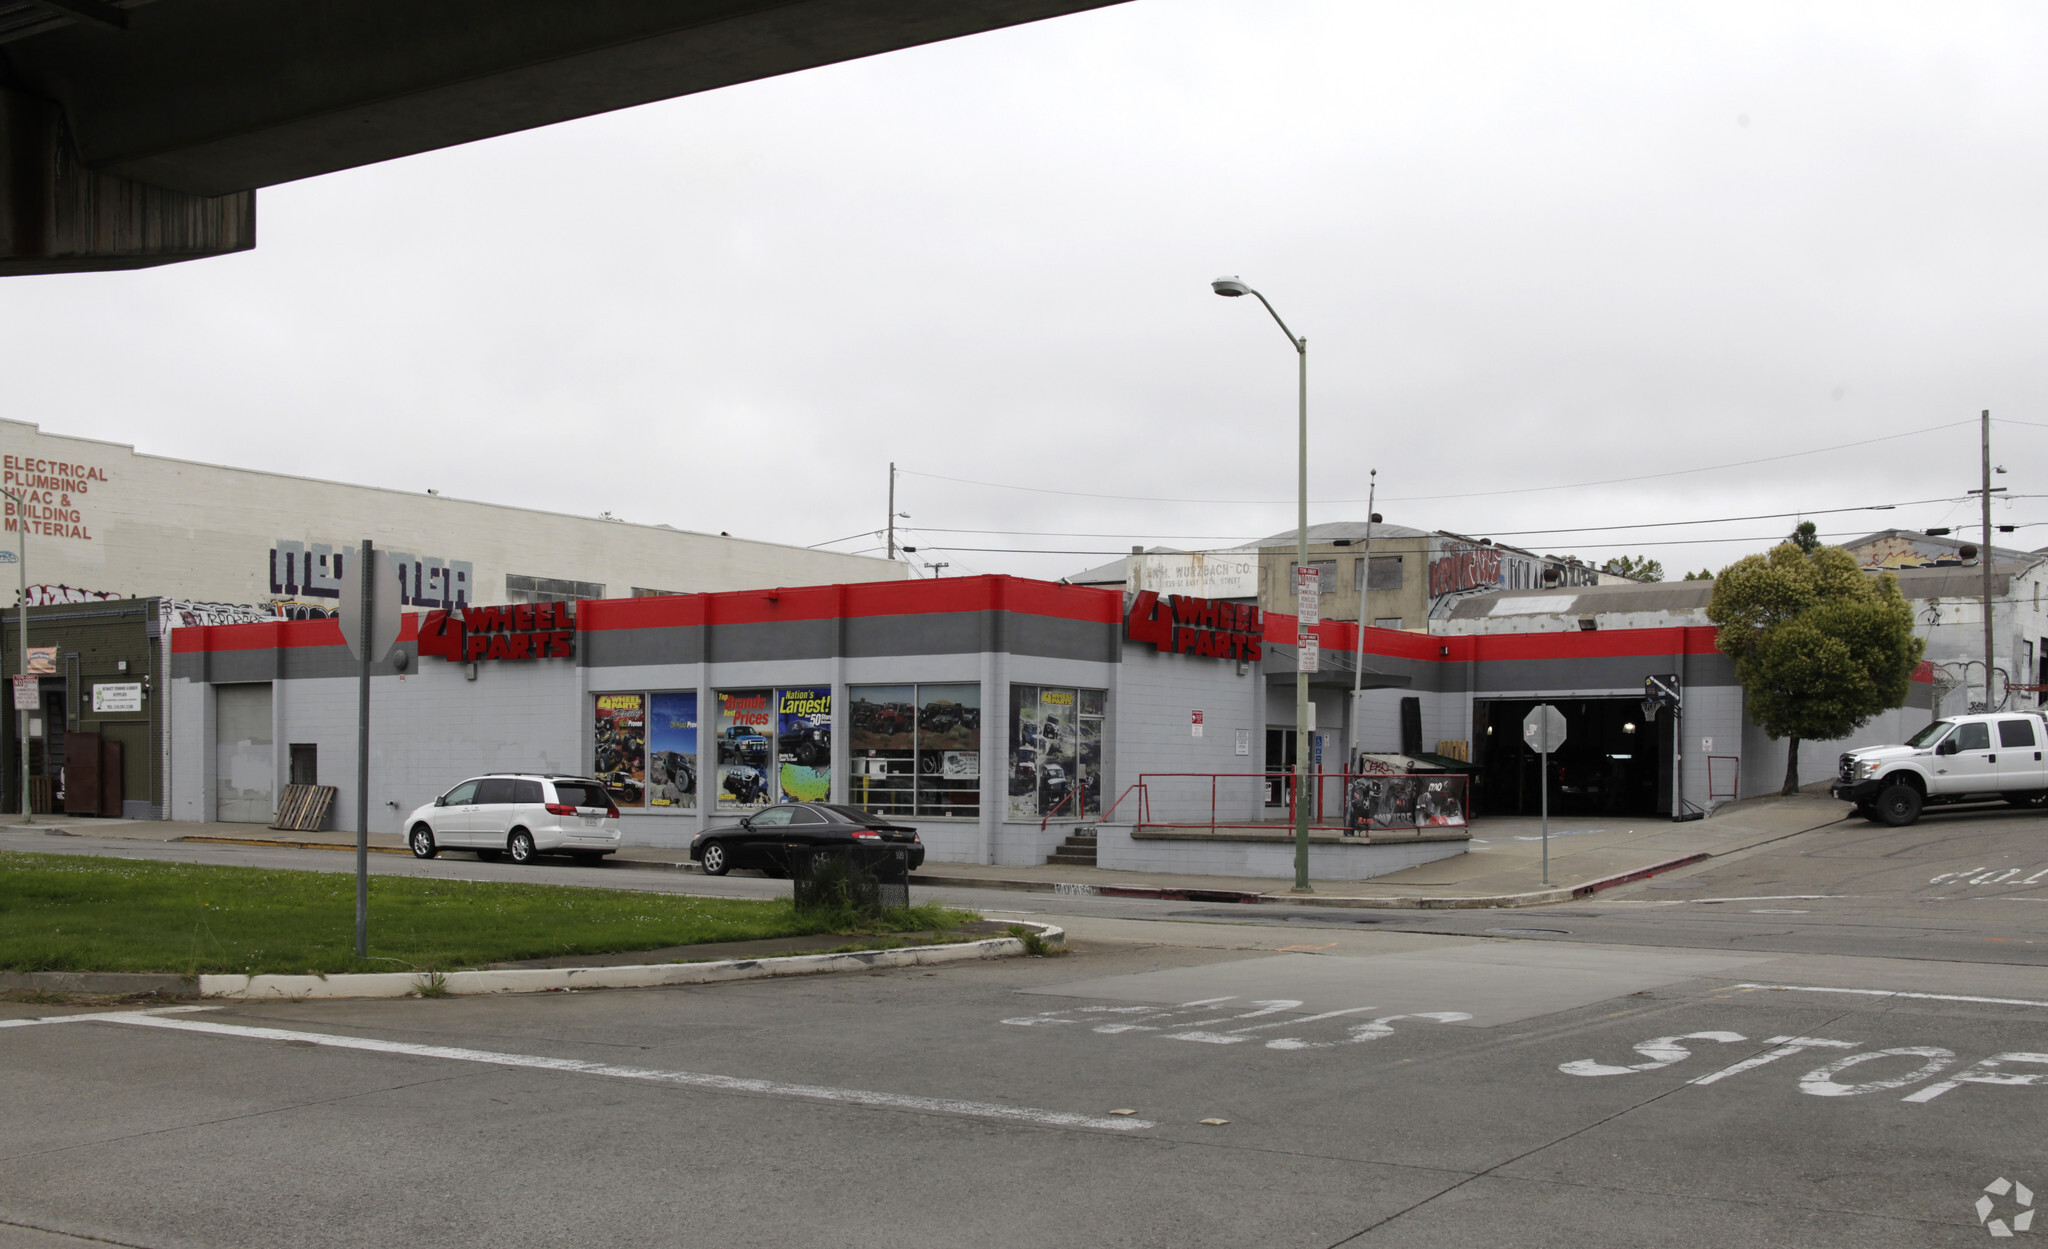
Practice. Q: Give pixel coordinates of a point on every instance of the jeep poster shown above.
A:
(672, 751)
(621, 741)
(803, 744)
(746, 718)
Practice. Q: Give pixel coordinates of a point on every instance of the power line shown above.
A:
(1512, 533)
(1424, 498)
(1018, 550)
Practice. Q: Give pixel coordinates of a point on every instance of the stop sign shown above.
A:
(1543, 729)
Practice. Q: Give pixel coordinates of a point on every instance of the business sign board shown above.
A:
(1185, 625)
(1204, 574)
(523, 631)
(116, 697)
(42, 661)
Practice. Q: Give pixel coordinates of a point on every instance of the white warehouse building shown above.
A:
(104, 521)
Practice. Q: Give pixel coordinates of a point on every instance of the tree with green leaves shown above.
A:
(1640, 567)
(1819, 645)
(1704, 574)
(1806, 537)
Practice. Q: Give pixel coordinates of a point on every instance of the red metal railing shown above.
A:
(1732, 773)
(1351, 801)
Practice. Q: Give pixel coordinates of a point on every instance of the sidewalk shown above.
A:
(1502, 869)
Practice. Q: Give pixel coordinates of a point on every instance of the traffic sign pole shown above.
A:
(1544, 730)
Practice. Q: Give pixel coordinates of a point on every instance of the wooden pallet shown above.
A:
(304, 808)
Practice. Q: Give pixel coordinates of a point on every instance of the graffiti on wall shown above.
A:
(1457, 568)
(50, 595)
(313, 569)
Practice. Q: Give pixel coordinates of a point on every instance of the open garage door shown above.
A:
(1613, 762)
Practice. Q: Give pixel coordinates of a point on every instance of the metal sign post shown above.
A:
(1544, 730)
(369, 624)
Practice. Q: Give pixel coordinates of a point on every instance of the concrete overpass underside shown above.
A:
(136, 132)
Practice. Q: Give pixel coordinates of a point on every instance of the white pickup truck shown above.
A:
(1975, 758)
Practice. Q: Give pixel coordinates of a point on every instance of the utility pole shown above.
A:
(1364, 587)
(366, 575)
(1984, 560)
(21, 713)
(892, 510)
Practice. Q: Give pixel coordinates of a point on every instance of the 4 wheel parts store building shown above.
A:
(993, 713)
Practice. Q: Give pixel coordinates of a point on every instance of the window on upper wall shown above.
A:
(523, 589)
(1055, 752)
(1387, 622)
(1326, 573)
(1386, 572)
(641, 591)
(916, 749)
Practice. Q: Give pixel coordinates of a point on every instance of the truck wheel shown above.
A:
(1898, 804)
(2033, 798)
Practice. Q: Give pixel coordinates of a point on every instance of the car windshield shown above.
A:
(1931, 734)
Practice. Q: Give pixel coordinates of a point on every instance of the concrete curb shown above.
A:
(100, 983)
(654, 975)
(296, 845)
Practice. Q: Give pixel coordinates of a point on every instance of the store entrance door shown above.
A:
(1281, 752)
(1613, 762)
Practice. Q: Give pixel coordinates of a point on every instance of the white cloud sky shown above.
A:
(1529, 245)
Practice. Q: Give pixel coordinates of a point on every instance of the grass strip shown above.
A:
(76, 913)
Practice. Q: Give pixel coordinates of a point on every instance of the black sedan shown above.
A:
(764, 839)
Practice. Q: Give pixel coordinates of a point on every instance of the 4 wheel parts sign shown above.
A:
(524, 631)
(1183, 625)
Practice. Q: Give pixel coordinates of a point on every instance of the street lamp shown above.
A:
(22, 714)
(1232, 287)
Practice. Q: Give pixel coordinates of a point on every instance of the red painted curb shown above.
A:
(1642, 873)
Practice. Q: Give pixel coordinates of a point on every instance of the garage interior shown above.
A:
(1613, 761)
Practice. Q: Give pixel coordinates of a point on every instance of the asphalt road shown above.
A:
(1846, 1051)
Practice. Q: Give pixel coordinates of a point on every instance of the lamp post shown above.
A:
(22, 714)
(1231, 287)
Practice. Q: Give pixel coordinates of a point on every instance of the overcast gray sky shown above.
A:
(1530, 246)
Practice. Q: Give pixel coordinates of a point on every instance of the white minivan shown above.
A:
(521, 814)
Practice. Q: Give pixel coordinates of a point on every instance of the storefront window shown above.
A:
(745, 720)
(672, 751)
(1055, 752)
(916, 749)
(621, 755)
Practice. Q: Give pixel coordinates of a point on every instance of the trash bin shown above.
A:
(868, 879)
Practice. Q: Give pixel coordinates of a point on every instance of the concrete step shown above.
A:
(1073, 858)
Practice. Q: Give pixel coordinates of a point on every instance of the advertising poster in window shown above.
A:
(746, 719)
(803, 744)
(621, 740)
(672, 751)
(1059, 743)
(1026, 716)
(949, 749)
